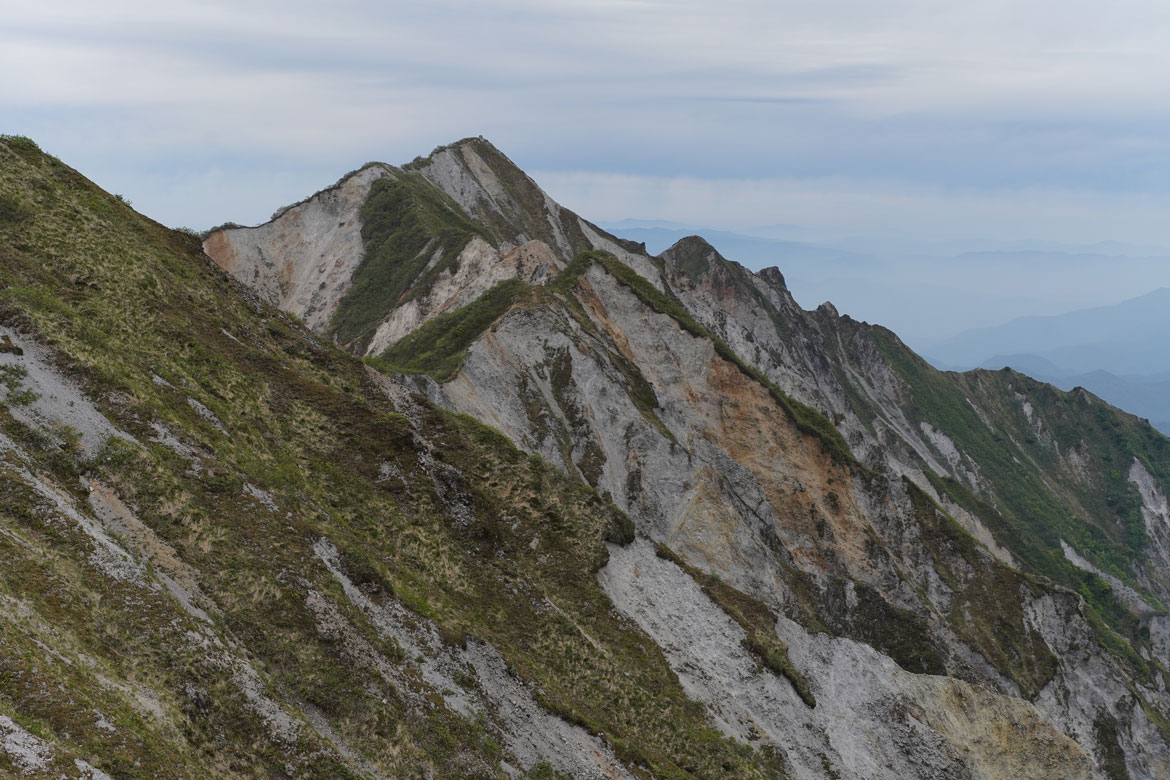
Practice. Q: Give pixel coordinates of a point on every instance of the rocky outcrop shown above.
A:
(905, 564)
(479, 267)
(872, 718)
(303, 260)
(498, 195)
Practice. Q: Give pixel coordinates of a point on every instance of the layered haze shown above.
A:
(1118, 352)
(902, 138)
(930, 291)
(939, 121)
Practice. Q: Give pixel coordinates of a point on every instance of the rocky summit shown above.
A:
(429, 477)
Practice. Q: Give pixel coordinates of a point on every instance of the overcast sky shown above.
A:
(926, 118)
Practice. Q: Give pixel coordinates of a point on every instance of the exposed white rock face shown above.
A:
(34, 757)
(974, 526)
(26, 751)
(1155, 509)
(804, 364)
(1037, 422)
(705, 461)
(954, 458)
(555, 390)
(638, 261)
(731, 303)
(532, 734)
(480, 267)
(56, 402)
(1128, 596)
(1079, 462)
(872, 720)
(1156, 517)
(462, 173)
(302, 261)
(1089, 700)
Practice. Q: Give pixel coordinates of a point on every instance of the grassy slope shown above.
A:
(124, 300)
(1002, 634)
(1034, 503)
(439, 346)
(412, 231)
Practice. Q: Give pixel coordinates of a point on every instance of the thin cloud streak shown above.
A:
(820, 206)
(968, 103)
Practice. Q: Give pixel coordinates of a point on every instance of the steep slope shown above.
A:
(387, 248)
(231, 550)
(1145, 396)
(1022, 446)
(861, 525)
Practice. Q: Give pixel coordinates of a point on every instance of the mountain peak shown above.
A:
(474, 143)
(493, 191)
(692, 256)
(773, 276)
(713, 490)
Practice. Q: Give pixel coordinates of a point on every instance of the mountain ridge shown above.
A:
(707, 533)
(888, 429)
(1114, 351)
(1103, 329)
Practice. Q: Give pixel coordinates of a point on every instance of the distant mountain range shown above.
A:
(1120, 352)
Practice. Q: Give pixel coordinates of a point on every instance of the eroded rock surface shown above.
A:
(900, 561)
(303, 260)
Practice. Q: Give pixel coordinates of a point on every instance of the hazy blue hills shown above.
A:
(1128, 338)
(1120, 353)
(753, 251)
(1145, 396)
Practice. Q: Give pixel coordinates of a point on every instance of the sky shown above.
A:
(904, 120)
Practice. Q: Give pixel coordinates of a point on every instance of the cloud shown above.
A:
(824, 207)
(942, 101)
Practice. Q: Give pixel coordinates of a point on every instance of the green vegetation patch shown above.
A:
(22, 145)
(12, 383)
(1105, 731)
(439, 346)
(807, 419)
(14, 210)
(412, 231)
(987, 607)
(692, 256)
(864, 616)
(754, 617)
